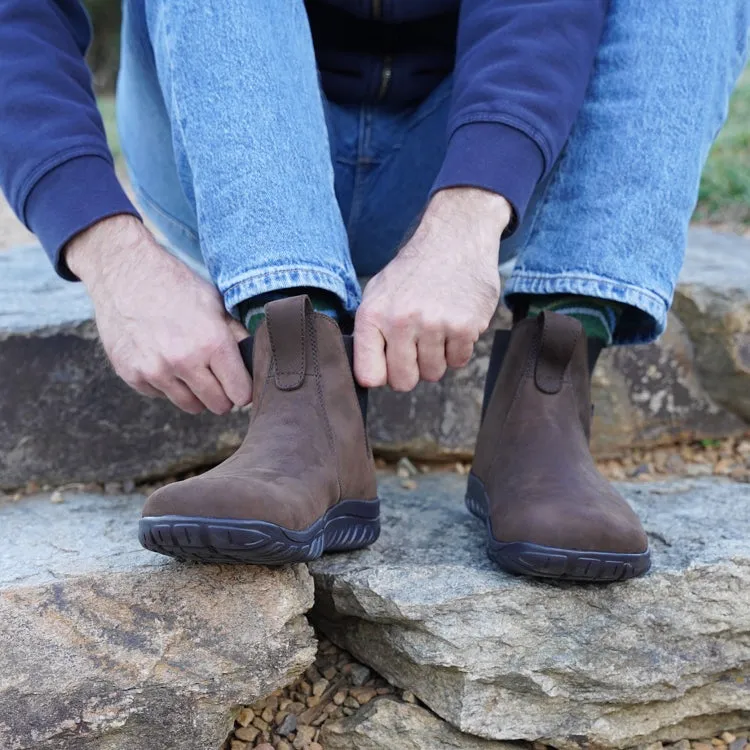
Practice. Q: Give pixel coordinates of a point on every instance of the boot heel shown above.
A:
(352, 525)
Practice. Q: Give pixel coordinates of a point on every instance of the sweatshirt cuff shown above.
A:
(70, 198)
(495, 157)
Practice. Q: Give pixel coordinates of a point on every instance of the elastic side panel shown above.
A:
(499, 348)
(361, 392)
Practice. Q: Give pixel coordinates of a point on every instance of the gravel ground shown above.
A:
(728, 458)
(290, 719)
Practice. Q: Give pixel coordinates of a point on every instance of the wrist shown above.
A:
(92, 251)
(483, 212)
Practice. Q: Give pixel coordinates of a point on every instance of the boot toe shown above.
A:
(604, 524)
(285, 502)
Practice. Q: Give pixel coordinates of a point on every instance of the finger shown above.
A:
(137, 381)
(370, 367)
(208, 390)
(431, 356)
(145, 389)
(458, 351)
(401, 359)
(180, 395)
(227, 366)
(239, 332)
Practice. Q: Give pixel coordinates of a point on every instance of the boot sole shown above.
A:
(347, 526)
(528, 559)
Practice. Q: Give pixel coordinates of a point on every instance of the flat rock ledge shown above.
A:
(106, 646)
(659, 658)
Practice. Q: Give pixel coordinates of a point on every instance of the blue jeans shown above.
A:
(255, 178)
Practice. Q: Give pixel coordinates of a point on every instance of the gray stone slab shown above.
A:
(64, 414)
(718, 259)
(713, 301)
(108, 647)
(663, 657)
(33, 298)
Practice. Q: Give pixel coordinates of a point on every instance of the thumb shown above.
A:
(369, 353)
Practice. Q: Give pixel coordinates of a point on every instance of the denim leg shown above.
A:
(611, 220)
(223, 128)
(146, 142)
(386, 162)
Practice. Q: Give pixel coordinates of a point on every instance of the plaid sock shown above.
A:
(599, 317)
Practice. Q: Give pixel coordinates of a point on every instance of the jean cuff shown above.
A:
(287, 277)
(643, 321)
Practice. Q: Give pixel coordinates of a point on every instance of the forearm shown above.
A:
(100, 250)
(481, 216)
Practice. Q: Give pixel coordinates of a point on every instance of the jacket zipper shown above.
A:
(385, 77)
(387, 72)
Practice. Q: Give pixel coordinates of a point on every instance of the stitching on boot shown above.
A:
(547, 379)
(299, 372)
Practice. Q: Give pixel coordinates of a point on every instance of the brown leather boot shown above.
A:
(549, 511)
(303, 481)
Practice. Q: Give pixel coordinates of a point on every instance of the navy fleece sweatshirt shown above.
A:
(521, 69)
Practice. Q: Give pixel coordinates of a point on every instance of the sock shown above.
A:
(252, 310)
(599, 317)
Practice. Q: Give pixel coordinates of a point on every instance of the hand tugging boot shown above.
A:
(549, 511)
(303, 481)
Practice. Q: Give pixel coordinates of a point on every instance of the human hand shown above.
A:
(426, 309)
(164, 329)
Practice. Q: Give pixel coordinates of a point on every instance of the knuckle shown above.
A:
(370, 315)
(184, 362)
(141, 385)
(432, 326)
(464, 331)
(155, 374)
(400, 322)
(128, 373)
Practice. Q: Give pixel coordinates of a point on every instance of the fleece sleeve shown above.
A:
(521, 74)
(55, 167)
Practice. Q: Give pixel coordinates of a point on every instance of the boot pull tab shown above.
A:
(286, 320)
(558, 338)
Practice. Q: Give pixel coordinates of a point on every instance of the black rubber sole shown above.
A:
(349, 525)
(525, 558)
